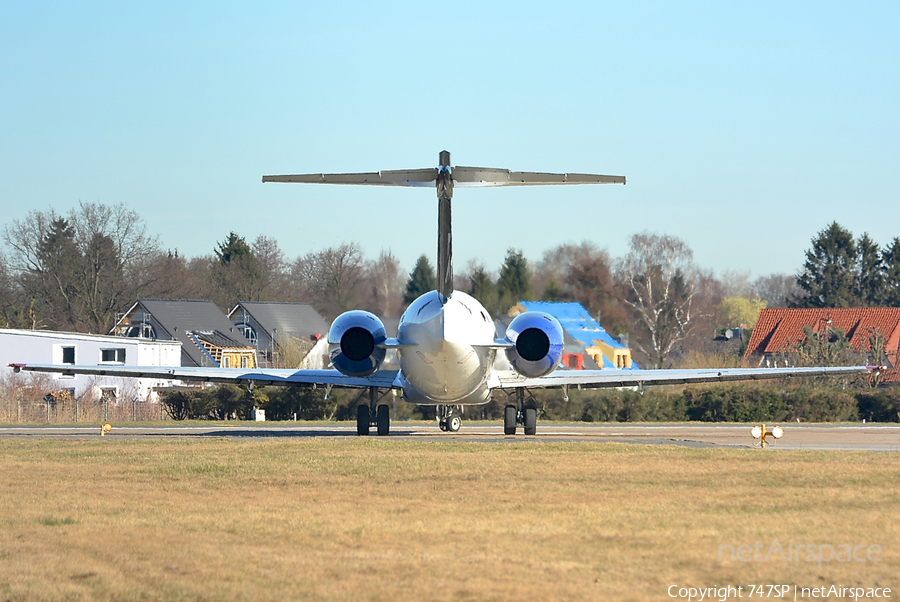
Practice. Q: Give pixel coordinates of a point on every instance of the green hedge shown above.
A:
(724, 403)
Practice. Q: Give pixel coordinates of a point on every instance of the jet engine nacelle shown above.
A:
(353, 343)
(538, 340)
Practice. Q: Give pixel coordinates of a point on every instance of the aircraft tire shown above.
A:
(530, 421)
(509, 420)
(383, 419)
(453, 423)
(362, 420)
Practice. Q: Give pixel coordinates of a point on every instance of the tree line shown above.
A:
(78, 271)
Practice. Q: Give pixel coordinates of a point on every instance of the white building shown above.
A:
(47, 347)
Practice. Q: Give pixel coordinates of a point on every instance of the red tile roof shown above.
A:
(779, 329)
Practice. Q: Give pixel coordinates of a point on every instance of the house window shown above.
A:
(226, 362)
(112, 356)
(244, 361)
(248, 333)
(68, 355)
(144, 331)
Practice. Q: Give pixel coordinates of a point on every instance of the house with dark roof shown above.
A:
(586, 342)
(207, 337)
(779, 329)
(270, 325)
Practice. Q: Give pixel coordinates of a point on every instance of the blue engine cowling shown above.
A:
(353, 341)
(538, 340)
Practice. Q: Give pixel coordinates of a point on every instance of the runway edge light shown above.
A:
(760, 432)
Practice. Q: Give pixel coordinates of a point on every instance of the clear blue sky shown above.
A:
(742, 129)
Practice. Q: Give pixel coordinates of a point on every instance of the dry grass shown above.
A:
(369, 519)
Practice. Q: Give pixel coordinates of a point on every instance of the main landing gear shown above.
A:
(365, 413)
(515, 415)
(448, 419)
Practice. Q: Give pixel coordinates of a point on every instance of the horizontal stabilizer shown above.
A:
(397, 177)
(486, 176)
(462, 176)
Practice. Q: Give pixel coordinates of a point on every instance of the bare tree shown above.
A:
(707, 314)
(659, 274)
(777, 289)
(171, 276)
(383, 285)
(737, 284)
(273, 269)
(16, 310)
(582, 273)
(331, 280)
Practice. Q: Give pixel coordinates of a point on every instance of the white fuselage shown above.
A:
(451, 350)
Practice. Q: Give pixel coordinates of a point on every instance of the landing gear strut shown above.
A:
(448, 418)
(366, 412)
(515, 415)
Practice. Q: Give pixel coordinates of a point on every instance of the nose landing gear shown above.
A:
(448, 418)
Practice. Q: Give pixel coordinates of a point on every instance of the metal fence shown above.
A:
(71, 411)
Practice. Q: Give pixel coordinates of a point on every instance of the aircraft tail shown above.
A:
(444, 178)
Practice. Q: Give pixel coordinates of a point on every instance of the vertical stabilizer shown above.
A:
(444, 187)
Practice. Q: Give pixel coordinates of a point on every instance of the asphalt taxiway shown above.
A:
(861, 437)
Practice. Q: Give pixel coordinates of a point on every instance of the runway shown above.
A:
(859, 437)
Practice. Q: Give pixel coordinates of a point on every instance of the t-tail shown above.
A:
(444, 178)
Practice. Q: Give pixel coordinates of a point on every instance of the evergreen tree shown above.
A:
(890, 258)
(514, 283)
(233, 248)
(870, 273)
(236, 277)
(553, 292)
(421, 280)
(54, 283)
(483, 289)
(828, 278)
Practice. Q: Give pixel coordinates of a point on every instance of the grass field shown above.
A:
(375, 519)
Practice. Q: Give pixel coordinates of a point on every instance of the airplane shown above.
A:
(446, 341)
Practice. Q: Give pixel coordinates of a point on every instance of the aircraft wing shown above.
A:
(384, 379)
(594, 379)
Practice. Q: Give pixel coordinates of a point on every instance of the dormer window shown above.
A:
(248, 332)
